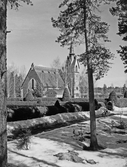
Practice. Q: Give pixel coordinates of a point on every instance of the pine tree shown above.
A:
(79, 23)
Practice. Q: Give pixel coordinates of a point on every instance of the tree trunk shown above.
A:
(93, 139)
(3, 84)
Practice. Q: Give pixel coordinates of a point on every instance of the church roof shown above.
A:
(49, 77)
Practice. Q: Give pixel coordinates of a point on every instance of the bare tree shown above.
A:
(56, 63)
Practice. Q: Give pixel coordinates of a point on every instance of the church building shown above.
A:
(51, 82)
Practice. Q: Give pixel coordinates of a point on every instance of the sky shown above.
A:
(32, 39)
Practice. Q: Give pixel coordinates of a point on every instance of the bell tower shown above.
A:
(76, 79)
(72, 66)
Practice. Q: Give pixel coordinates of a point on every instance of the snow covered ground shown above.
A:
(42, 151)
(41, 154)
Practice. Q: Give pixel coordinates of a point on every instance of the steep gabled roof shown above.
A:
(49, 77)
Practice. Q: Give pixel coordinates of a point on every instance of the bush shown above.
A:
(23, 136)
(10, 114)
(66, 95)
(23, 113)
(42, 111)
(36, 93)
(13, 104)
(113, 97)
(125, 94)
(79, 100)
(29, 96)
(122, 125)
(14, 99)
(70, 107)
(46, 102)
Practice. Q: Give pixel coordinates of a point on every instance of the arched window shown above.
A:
(33, 84)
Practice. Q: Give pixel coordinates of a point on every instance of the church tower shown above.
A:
(76, 79)
(72, 66)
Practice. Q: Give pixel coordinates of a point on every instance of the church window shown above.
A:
(33, 84)
(76, 68)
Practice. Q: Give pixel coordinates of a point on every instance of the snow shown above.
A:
(42, 151)
(120, 110)
(41, 154)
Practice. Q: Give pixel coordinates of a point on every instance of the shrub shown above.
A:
(122, 125)
(125, 94)
(23, 137)
(113, 97)
(10, 114)
(38, 92)
(119, 102)
(57, 104)
(69, 107)
(14, 99)
(29, 96)
(79, 135)
(12, 104)
(42, 111)
(66, 95)
(79, 100)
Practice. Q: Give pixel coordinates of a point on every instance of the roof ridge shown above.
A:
(44, 68)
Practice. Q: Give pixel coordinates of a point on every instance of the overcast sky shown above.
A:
(32, 39)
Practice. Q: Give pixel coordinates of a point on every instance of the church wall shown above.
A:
(76, 85)
(31, 75)
(73, 76)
